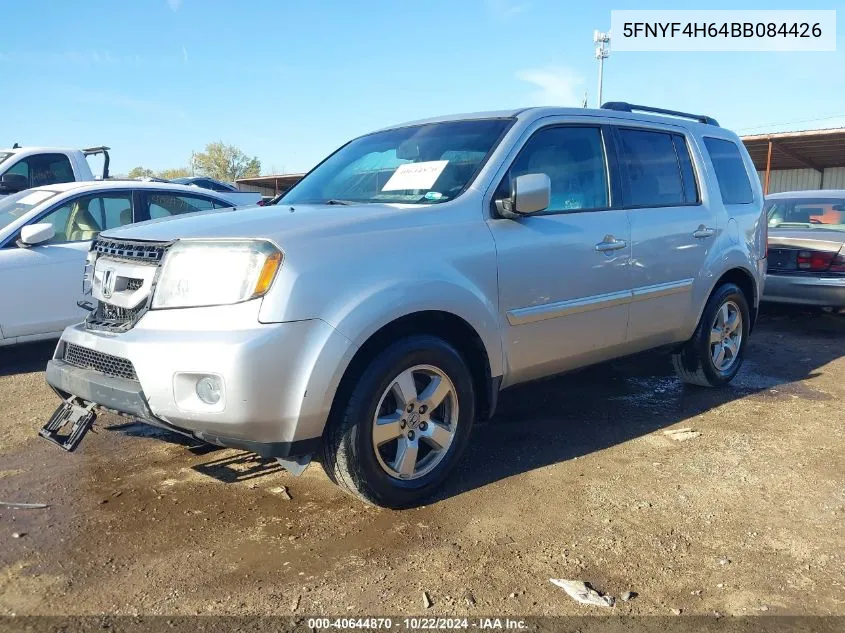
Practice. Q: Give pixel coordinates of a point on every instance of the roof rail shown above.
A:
(622, 106)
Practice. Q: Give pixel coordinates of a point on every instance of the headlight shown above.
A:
(215, 273)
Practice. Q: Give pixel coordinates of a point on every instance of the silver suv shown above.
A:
(375, 313)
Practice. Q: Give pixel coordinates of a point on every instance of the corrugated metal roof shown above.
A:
(813, 149)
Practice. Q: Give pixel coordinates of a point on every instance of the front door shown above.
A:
(41, 284)
(564, 279)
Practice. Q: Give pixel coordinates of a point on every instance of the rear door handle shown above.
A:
(610, 243)
(703, 232)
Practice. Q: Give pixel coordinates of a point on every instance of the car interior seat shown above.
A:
(81, 225)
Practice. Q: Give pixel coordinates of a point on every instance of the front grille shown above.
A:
(134, 284)
(113, 318)
(103, 363)
(131, 250)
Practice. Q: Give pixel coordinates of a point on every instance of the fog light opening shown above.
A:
(209, 389)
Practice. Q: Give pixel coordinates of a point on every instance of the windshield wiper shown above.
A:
(343, 202)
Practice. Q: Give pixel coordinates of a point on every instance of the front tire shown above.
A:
(714, 354)
(403, 425)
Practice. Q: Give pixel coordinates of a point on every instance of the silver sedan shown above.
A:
(806, 248)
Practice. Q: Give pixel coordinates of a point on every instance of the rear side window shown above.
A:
(165, 205)
(730, 171)
(652, 169)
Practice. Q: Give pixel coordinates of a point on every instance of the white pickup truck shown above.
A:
(26, 167)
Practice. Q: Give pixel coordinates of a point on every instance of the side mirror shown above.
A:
(530, 193)
(34, 234)
(12, 183)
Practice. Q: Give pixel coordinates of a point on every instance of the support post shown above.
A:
(768, 170)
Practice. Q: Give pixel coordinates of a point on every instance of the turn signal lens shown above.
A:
(268, 273)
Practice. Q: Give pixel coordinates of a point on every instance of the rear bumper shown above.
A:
(805, 290)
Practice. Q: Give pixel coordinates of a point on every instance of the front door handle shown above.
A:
(610, 243)
(703, 232)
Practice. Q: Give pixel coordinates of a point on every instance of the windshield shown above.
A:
(18, 204)
(817, 213)
(5, 155)
(420, 164)
(182, 181)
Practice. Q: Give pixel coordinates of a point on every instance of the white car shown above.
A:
(45, 235)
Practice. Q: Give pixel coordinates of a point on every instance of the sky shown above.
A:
(290, 81)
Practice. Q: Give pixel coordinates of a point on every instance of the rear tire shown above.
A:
(385, 445)
(714, 354)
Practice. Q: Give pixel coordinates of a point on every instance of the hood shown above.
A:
(271, 222)
(818, 239)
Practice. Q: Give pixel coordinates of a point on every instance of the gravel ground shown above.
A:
(575, 478)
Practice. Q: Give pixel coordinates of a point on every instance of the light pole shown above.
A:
(602, 42)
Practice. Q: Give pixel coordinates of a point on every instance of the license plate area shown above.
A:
(69, 424)
(783, 259)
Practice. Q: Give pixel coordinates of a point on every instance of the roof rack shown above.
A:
(102, 149)
(622, 106)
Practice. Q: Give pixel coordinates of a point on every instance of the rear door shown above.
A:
(673, 229)
(45, 281)
(564, 279)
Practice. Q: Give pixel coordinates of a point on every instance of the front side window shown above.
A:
(419, 164)
(573, 159)
(651, 168)
(164, 205)
(45, 169)
(730, 171)
(83, 218)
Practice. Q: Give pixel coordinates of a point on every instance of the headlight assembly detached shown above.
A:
(208, 273)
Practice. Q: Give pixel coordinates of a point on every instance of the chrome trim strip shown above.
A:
(532, 314)
(661, 290)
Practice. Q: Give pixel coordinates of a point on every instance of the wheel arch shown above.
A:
(452, 328)
(741, 277)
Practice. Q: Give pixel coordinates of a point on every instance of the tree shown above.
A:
(225, 162)
(139, 172)
(174, 172)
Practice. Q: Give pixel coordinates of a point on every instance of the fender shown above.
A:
(362, 316)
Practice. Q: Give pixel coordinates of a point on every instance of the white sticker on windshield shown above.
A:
(35, 197)
(415, 175)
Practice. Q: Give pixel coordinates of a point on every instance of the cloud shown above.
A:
(185, 54)
(504, 10)
(558, 85)
(174, 4)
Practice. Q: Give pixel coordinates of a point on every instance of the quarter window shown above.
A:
(730, 171)
(651, 168)
(573, 159)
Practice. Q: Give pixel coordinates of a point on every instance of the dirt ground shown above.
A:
(574, 478)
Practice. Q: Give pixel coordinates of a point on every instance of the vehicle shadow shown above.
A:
(558, 419)
(26, 357)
